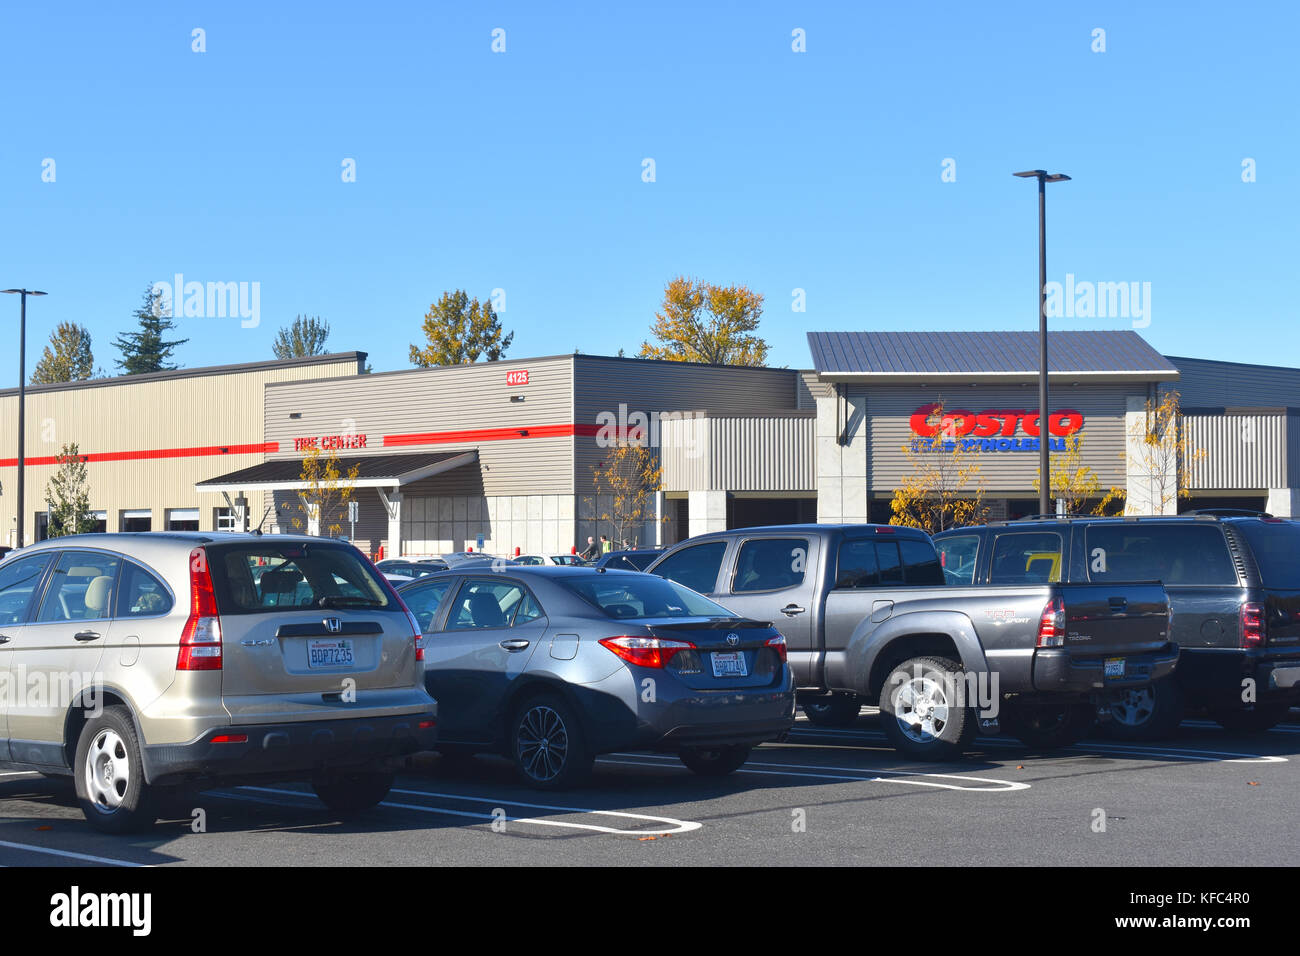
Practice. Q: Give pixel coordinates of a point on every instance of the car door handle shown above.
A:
(1118, 603)
(790, 610)
(514, 645)
(87, 635)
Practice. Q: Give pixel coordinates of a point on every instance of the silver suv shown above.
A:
(149, 665)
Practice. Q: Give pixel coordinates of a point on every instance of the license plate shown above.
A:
(731, 664)
(331, 653)
(1114, 668)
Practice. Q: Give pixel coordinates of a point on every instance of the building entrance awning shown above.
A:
(387, 472)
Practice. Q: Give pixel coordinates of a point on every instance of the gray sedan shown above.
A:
(551, 666)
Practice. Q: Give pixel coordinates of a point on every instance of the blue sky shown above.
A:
(522, 170)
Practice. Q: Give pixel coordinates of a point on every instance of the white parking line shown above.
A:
(68, 853)
(673, 825)
(847, 773)
(1137, 750)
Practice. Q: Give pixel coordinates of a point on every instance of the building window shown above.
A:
(140, 519)
(223, 519)
(182, 519)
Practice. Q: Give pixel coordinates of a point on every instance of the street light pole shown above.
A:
(1044, 442)
(22, 400)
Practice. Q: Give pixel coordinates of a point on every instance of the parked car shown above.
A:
(567, 560)
(552, 666)
(411, 569)
(634, 559)
(188, 660)
(1233, 580)
(869, 619)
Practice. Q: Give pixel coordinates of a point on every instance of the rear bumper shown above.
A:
(1056, 671)
(1213, 674)
(292, 749)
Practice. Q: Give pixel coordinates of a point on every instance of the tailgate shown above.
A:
(1107, 619)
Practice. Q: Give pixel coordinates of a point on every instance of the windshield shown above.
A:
(630, 596)
(262, 577)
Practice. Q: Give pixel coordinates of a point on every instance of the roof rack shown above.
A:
(1228, 513)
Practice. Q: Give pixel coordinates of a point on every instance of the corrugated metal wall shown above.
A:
(466, 398)
(605, 384)
(1243, 450)
(1209, 384)
(772, 453)
(1012, 472)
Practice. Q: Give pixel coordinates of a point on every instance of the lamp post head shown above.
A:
(1044, 175)
(22, 292)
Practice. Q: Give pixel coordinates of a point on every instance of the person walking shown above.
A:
(606, 546)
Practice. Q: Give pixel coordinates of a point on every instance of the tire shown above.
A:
(109, 774)
(837, 710)
(714, 761)
(1049, 726)
(547, 744)
(1152, 712)
(1258, 718)
(353, 792)
(920, 709)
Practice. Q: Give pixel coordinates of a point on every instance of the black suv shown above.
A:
(1234, 591)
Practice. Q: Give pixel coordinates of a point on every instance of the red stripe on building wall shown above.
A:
(260, 448)
(492, 434)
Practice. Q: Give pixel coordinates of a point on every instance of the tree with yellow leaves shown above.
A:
(324, 502)
(945, 487)
(1072, 479)
(628, 478)
(701, 322)
(1160, 457)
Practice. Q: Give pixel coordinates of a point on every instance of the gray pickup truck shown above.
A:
(868, 619)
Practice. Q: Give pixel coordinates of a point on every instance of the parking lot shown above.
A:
(823, 797)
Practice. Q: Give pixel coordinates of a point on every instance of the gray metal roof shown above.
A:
(373, 471)
(1101, 354)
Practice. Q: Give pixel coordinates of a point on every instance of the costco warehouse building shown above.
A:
(505, 450)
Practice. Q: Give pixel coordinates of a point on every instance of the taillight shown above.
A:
(646, 651)
(1051, 625)
(416, 633)
(201, 639)
(1253, 630)
(777, 644)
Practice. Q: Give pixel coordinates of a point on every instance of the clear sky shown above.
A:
(523, 170)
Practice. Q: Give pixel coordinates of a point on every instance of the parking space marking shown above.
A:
(672, 825)
(106, 861)
(845, 773)
(1136, 750)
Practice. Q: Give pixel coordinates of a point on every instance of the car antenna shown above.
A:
(258, 530)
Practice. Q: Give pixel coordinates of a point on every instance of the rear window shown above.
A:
(958, 555)
(873, 562)
(1189, 554)
(259, 578)
(627, 596)
(1276, 546)
(1027, 558)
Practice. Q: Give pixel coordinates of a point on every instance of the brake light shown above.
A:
(1051, 624)
(777, 644)
(200, 648)
(416, 633)
(1253, 629)
(646, 651)
(230, 739)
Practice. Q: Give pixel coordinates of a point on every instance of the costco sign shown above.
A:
(994, 429)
